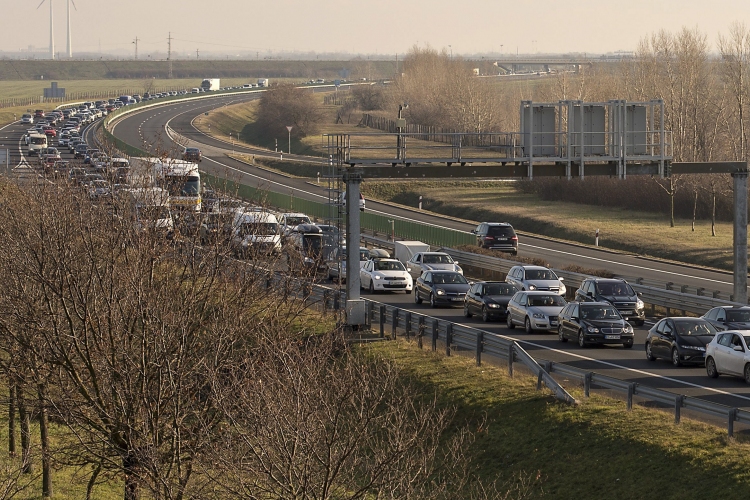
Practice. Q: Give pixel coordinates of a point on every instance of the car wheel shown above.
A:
(581, 339)
(509, 322)
(560, 335)
(640, 322)
(711, 370)
(649, 355)
(467, 314)
(372, 287)
(432, 300)
(676, 357)
(417, 298)
(527, 325)
(485, 314)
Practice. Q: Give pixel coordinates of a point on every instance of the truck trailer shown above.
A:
(209, 84)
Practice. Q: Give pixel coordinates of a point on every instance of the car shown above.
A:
(729, 317)
(594, 323)
(214, 227)
(99, 189)
(50, 131)
(192, 154)
(39, 113)
(680, 340)
(27, 119)
(385, 275)
(362, 203)
(77, 176)
(379, 253)
(535, 311)
(497, 236)
(488, 299)
(57, 169)
(290, 220)
(617, 292)
(431, 261)
(255, 233)
(728, 354)
(337, 262)
(525, 277)
(80, 150)
(441, 287)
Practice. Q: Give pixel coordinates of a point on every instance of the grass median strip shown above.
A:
(591, 450)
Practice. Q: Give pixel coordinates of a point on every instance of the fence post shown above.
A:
(511, 348)
(407, 324)
(677, 407)
(448, 338)
(732, 415)
(587, 384)
(631, 391)
(395, 324)
(421, 332)
(370, 313)
(435, 332)
(480, 342)
(382, 321)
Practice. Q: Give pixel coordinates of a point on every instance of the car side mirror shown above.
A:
(455, 262)
(427, 282)
(561, 278)
(640, 294)
(473, 231)
(738, 348)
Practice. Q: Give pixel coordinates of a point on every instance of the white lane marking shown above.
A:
(635, 370)
(627, 265)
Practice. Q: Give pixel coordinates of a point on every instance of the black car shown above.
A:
(594, 323)
(617, 292)
(729, 317)
(681, 340)
(497, 236)
(441, 287)
(488, 298)
(80, 151)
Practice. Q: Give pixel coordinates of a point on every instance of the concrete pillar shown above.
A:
(355, 308)
(740, 236)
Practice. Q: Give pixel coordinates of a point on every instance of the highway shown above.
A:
(626, 364)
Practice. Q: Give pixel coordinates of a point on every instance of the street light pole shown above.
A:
(400, 126)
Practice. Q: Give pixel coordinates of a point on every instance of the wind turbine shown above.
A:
(51, 30)
(70, 47)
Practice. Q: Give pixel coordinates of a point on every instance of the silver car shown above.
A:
(535, 278)
(535, 311)
(431, 261)
(728, 354)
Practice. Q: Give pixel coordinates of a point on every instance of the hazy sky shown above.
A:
(360, 26)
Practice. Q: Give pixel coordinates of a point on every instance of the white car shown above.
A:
(288, 221)
(342, 200)
(385, 275)
(728, 354)
(431, 261)
(27, 118)
(535, 278)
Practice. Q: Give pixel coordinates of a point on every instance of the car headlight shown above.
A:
(458, 269)
(628, 329)
(440, 291)
(532, 287)
(592, 329)
(377, 276)
(639, 304)
(692, 347)
(538, 315)
(563, 289)
(492, 305)
(308, 260)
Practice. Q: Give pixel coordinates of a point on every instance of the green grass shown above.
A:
(645, 233)
(594, 450)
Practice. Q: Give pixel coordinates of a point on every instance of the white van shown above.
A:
(37, 142)
(255, 232)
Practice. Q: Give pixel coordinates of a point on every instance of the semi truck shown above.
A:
(209, 84)
(262, 82)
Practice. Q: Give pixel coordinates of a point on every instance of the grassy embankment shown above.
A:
(597, 449)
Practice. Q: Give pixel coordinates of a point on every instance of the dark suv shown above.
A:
(617, 292)
(497, 236)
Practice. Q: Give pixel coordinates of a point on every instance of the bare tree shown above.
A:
(735, 52)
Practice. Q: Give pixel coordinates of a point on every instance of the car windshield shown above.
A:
(437, 259)
(389, 266)
(546, 300)
(599, 312)
(499, 289)
(540, 274)
(615, 289)
(741, 316)
(448, 279)
(296, 221)
(694, 328)
(364, 255)
(259, 228)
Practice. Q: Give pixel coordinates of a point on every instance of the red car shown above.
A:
(39, 113)
(50, 131)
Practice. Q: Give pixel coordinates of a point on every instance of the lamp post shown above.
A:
(289, 148)
(393, 229)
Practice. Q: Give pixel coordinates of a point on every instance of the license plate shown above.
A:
(456, 299)
(501, 239)
(626, 312)
(612, 337)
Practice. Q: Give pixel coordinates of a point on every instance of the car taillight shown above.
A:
(489, 237)
(515, 238)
